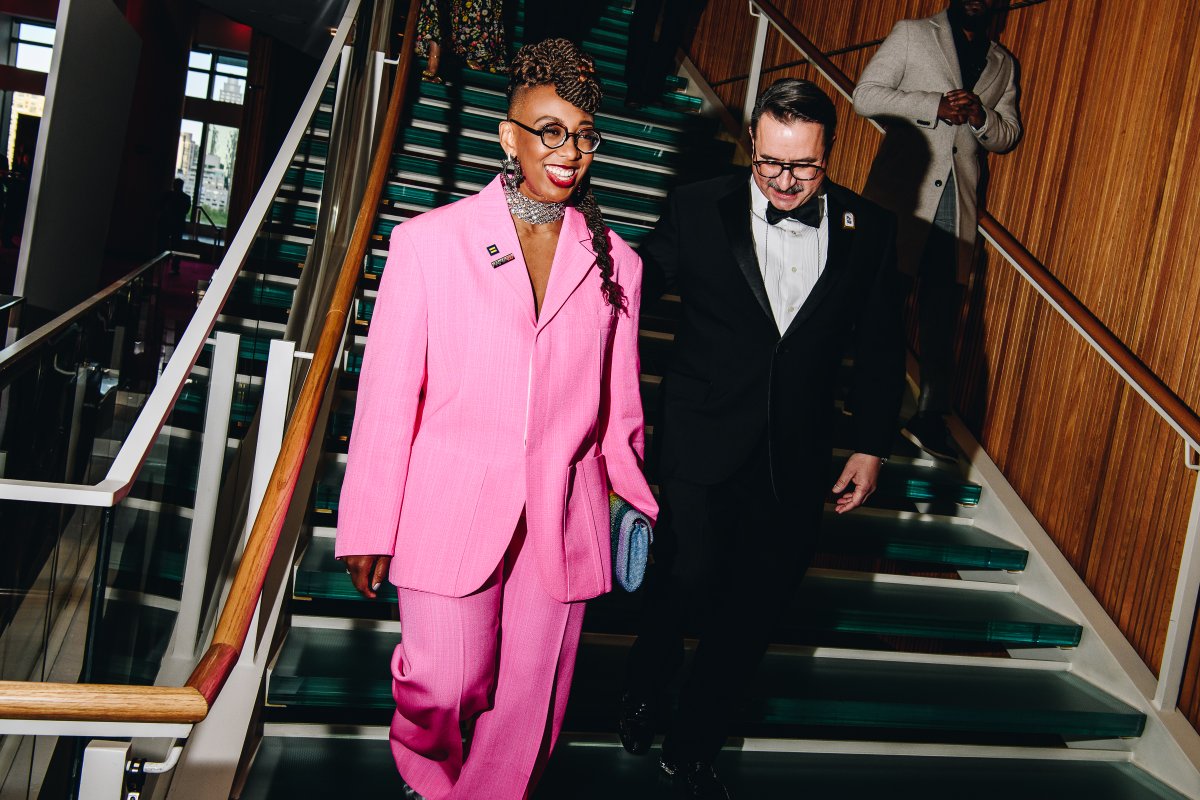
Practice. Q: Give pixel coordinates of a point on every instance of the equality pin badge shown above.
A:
(493, 250)
(502, 260)
(848, 221)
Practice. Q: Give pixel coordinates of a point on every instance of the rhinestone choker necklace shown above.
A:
(533, 211)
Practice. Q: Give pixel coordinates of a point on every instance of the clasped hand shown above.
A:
(958, 106)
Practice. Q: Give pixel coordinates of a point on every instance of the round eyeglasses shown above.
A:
(554, 136)
(801, 172)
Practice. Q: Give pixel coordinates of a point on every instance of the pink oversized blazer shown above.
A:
(471, 409)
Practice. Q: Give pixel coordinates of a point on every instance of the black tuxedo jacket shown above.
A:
(733, 379)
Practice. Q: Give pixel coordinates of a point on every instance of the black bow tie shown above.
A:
(808, 212)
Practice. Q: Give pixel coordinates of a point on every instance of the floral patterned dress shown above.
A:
(476, 30)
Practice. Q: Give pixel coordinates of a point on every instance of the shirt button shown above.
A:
(793, 269)
(953, 149)
(937, 183)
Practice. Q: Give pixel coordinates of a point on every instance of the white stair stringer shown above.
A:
(1169, 748)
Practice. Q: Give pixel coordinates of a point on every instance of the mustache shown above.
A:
(796, 187)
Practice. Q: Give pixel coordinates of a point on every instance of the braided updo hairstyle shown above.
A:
(572, 72)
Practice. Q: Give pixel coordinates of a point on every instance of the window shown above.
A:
(216, 76)
(35, 46)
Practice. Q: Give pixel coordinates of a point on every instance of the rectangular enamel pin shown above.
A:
(848, 221)
(502, 260)
(493, 250)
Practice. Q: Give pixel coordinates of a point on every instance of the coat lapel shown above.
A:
(573, 260)
(991, 69)
(841, 243)
(945, 40)
(496, 225)
(735, 213)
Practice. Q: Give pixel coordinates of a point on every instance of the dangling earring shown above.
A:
(510, 172)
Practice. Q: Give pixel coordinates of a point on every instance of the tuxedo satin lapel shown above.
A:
(945, 40)
(735, 214)
(573, 260)
(495, 225)
(841, 243)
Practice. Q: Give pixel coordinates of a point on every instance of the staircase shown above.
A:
(905, 668)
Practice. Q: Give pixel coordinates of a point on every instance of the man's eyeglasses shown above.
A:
(555, 136)
(801, 172)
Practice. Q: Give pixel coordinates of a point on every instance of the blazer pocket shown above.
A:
(685, 387)
(586, 556)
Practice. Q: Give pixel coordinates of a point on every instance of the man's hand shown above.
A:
(863, 471)
(367, 573)
(949, 113)
(968, 104)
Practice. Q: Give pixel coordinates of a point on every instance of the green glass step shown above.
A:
(193, 399)
(924, 541)
(825, 605)
(303, 175)
(790, 691)
(320, 576)
(313, 147)
(271, 249)
(322, 120)
(611, 148)
(290, 213)
(459, 173)
(317, 766)
(601, 169)
(612, 104)
(251, 290)
(921, 483)
(427, 199)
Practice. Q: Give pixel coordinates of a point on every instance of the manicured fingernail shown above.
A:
(375, 587)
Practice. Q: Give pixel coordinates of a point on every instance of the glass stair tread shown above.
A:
(825, 605)
(451, 175)
(914, 539)
(323, 766)
(789, 690)
(921, 482)
(614, 88)
(600, 169)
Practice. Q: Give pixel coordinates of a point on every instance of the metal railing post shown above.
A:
(103, 774)
(1183, 608)
(756, 59)
(277, 387)
(222, 378)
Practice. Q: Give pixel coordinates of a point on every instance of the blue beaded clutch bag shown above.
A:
(631, 534)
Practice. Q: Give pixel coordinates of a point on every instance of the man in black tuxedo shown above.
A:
(781, 272)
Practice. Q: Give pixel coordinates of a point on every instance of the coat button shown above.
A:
(937, 183)
(954, 150)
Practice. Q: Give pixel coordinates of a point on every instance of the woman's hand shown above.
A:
(367, 573)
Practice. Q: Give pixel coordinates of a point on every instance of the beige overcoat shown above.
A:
(901, 88)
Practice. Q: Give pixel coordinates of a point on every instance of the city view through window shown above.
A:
(34, 48)
(207, 151)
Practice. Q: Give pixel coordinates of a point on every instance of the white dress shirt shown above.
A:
(791, 256)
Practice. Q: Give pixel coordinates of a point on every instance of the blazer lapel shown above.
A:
(507, 262)
(735, 214)
(841, 242)
(573, 260)
(945, 40)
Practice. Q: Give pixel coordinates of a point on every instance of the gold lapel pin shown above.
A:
(848, 221)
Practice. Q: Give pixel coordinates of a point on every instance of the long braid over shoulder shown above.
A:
(572, 72)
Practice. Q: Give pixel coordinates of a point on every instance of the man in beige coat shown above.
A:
(947, 96)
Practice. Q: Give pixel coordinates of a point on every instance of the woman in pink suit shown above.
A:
(498, 404)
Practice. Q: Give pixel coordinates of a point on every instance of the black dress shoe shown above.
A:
(636, 724)
(696, 780)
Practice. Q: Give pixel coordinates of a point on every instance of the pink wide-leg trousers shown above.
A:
(503, 657)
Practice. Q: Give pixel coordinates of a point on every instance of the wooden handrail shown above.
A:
(1169, 405)
(191, 702)
(211, 673)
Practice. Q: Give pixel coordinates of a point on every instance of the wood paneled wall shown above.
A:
(1104, 190)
